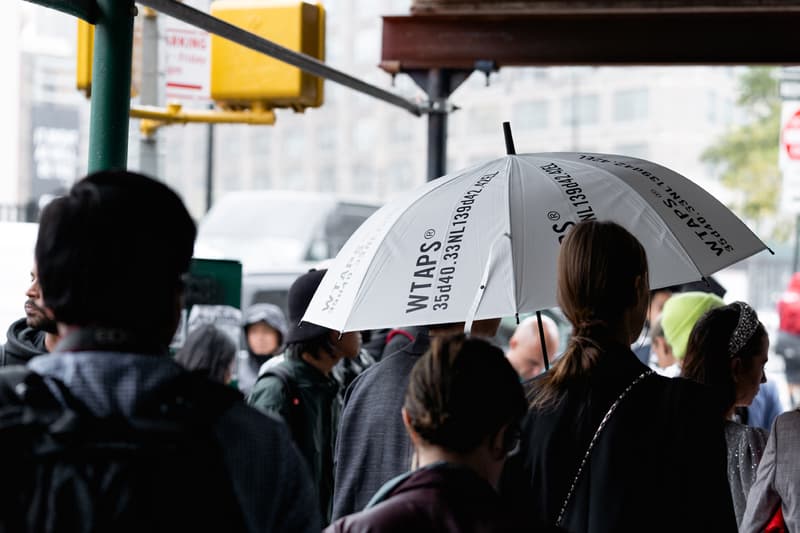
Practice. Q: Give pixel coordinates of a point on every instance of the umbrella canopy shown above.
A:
(483, 242)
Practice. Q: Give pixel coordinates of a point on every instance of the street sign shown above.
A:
(790, 136)
(188, 60)
(789, 156)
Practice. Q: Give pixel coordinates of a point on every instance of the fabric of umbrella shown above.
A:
(483, 242)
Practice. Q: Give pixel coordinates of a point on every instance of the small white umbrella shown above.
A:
(483, 242)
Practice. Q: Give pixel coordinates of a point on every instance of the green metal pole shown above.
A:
(111, 85)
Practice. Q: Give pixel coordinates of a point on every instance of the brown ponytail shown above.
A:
(597, 269)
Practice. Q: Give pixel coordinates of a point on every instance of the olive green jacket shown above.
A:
(311, 410)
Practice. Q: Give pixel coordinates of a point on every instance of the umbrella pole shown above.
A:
(541, 341)
(510, 150)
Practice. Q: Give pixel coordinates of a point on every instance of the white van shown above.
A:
(277, 235)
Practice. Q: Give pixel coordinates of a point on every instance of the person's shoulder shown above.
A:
(788, 421)
(393, 515)
(269, 390)
(746, 436)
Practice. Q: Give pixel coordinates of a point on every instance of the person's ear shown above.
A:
(497, 444)
(736, 368)
(513, 342)
(642, 291)
(415, 438)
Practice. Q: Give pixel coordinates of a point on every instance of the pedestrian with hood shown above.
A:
(301, 389)
(210, 351)
(110, 433)
(461, 440)
(33, 335)
(264, 328)
(372, 445)
(606, 438)
(727, 351)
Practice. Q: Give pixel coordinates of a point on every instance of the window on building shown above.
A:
(294, 142)
(326, 139)
(399, 176)
(630, 104)
(640, 150)
(367, 46)
(486, 119)
(261, 178)
(326, 178)
(580, 109)
(363, 181)
(364, 135)
(711, 111)
(529, 115)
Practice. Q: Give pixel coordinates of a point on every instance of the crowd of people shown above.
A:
(654, 416)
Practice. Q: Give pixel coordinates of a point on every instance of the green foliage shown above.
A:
(747, 155)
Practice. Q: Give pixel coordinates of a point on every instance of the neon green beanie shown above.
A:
(681, 312)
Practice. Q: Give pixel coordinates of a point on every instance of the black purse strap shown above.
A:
(597, 433)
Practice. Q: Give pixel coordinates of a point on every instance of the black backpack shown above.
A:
(295, 416)
(66, 470)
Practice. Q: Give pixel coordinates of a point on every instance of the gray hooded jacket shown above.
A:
(248, 364)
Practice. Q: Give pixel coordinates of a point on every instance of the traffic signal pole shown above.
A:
(148, 93)
(111, 85)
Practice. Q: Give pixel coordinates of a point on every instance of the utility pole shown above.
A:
(148, 162)
(438, 84)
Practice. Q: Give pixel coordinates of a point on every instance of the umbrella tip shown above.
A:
(516, 315)
(510, 150)
(770, 250)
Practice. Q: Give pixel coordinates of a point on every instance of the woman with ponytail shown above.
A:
(607, 444)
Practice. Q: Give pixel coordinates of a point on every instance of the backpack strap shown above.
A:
(294, 404)
(397, 331)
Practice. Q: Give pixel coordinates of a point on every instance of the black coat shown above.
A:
(659, 465)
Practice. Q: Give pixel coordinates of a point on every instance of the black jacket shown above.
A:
(659, 465)
(23, 344)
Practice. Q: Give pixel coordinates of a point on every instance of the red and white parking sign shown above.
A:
(790, 136)
(789, 157)
(188, 60)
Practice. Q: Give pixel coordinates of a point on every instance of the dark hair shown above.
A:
(708, 357)
(462, 391)
(597, 269)
(209, 349)
(313, 346)
(112, 254)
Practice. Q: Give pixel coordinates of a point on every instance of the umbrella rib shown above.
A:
(635, 192)
(511, 238)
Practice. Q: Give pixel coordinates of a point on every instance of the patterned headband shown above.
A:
(748, 322)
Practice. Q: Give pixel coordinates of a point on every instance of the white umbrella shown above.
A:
(483, 242)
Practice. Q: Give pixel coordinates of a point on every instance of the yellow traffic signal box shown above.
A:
(83, 71)
(243, 78)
